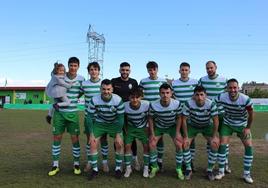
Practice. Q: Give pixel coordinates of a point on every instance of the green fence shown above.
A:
(33, 106)
(260, 108)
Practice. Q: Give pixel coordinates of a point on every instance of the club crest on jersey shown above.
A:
(206, 112)
(112, 109)
(172, 112)
(130, 86)
(191, 86)
(218, 84)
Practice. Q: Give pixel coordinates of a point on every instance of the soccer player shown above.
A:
(183, 91)
(237, 118)
(215, 85)
(106, 116)
(90, 88)
(67, 118)
(122, 86)
(196, 118)
(136, 111)
(184, 86)
(165, 118)
(151, 87)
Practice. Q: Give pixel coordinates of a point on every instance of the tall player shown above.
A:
(184, 89)
(215, 85)
(90, 88)
(122, 86)
(67, 118)
(151, 87)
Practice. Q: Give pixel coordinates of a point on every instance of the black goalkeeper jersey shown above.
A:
(122, 87)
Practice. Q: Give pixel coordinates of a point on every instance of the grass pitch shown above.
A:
(25, 158)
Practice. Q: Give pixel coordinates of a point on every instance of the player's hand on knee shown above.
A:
(179, 138)
(186, 143)
(215, 142)
(246, 134)
(152, 141)
(119, 140)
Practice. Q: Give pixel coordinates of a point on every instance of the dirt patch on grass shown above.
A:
(260, 146)
(34, 135)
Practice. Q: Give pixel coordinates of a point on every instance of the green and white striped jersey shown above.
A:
(184, 90)
(235, 112)
(151, 88)
(73, 93)
(199, 116)
(213, 87)
(90, 89)
(106, 111)
(137, 117)
(165, 117)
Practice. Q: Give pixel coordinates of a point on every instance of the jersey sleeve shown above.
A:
(219, 105)
(151, 111)
(179, 109)
(249, 104)
(186, 109)
(120, 107)
(213, 109)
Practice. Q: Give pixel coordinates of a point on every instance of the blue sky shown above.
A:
(35, 34)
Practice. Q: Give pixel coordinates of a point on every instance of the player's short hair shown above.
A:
(232, 80)
(184, 64)
(73, 60)
(136, 91)
(93, 64)
(165, 86)
(106, 82)
(151, 65)
(213, 62)
(124, 64)
(199, 88)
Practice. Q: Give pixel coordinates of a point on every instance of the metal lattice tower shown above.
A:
(96, 47)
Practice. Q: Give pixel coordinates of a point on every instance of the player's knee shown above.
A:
(248, 143)
(152, 145)
(118, 145)
(128, 148)
(93, 143)
(178, 145)
(57, 137)
(146, 148)
(214, 145)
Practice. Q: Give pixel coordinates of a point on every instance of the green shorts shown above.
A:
(228, 130)
(171, 131)
(87, 127)
(132, 133)
(100, 129)
(193, 131)
(65, 120)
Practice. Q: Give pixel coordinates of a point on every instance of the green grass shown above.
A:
(25, 155)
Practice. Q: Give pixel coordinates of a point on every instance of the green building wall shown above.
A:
(36, 97)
